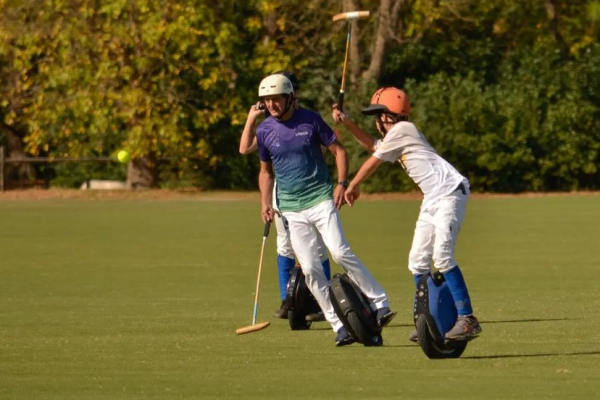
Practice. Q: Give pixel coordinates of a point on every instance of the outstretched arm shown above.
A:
(367, 169)
(363, 138)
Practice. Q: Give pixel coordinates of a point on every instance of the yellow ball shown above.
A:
(123, 156)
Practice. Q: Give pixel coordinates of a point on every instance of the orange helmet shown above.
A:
(388, 100)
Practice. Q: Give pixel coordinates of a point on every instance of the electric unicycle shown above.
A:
(353, 309)
(434, 315)
(299, 301)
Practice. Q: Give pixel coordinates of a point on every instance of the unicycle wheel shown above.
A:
(298, 320)
(433, 344)
(362, 333)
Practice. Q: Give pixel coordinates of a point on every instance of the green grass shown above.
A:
(140, 300)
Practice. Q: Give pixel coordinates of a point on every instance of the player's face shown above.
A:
(275, 104)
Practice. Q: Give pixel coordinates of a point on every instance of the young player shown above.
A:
(285, 253)
(289, 147)
(445, 192)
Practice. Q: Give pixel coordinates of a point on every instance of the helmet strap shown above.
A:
(395, 120)
(380, 125)
(289, 102)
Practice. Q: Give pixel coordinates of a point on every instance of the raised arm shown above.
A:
(248, 142)
(248, 145)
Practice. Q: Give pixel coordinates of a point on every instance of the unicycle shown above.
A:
(434, 315)
(299, 301)
(353, 309)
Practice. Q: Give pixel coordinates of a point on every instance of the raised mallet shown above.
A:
(347, 16)
(261, 325)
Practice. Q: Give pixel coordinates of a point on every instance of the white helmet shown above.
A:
(275, 84)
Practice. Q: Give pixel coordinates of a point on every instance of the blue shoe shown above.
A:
(343, 338)
(384, 316)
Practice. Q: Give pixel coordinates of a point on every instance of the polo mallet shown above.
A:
(261, 325)
(347, 16)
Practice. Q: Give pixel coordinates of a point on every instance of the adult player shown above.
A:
(285, 253)
(289, 147)
(445, 192)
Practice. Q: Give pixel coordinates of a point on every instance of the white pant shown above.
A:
(324, 218)
(284, 244)
(436, 233)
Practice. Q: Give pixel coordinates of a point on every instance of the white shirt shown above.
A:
(435, 176)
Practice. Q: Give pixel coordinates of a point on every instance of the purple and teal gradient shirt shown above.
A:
(294, 148)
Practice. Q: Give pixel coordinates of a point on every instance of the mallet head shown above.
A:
(348, 16)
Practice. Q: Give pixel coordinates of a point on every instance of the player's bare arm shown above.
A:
(248, 142)
(341, 161)
(368, 168)
(266, 178)
(364, 139)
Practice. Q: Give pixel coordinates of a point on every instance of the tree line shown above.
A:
(508, 91)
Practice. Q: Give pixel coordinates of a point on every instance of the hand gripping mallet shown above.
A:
(262, 325)
(348, 16)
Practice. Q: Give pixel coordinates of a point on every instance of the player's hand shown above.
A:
(338, 196)
(256, 110)
(352, 194)
(267, 214)
(338, 115)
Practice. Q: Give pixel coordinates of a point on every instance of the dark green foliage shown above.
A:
(535, 129)
(506, 91)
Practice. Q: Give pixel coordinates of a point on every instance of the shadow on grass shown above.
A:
(509, 321)
(400, 326)
(392, 326)
(578, 353)
(512, 321)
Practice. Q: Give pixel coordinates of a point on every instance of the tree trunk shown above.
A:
(388, 24)
(381, 40)
(16, 171)
(142, 173)
(553, 16)
(270, 24)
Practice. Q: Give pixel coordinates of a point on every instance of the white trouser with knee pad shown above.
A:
(324, 218)
(436, 233)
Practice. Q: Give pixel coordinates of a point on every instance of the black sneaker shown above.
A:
(343, 338)
(316, 317)
(414, 336)
(384, 316)
(465, 328)
(282, 312)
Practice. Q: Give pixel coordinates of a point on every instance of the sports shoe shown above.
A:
(316, 317)
(343, 338)
(384, 316)
(414, 336)
(282, 312)
(465, 328)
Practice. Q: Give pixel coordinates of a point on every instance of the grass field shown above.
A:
(140, 299)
